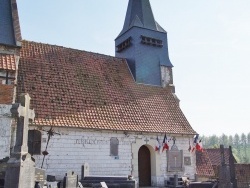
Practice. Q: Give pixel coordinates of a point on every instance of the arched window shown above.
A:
(114, 142)
(34, 142)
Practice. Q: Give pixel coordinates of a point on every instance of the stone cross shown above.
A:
(146, 140)
(20, 171)
(23, 113)
(174, 139)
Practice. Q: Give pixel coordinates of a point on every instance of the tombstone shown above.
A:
(20, 171)
(80, 184)
(224, 172)
(103, 184)
(40, 176)
(3, 167)
(51, 178)
(52, 184)
(85, 170)
(70, 180)
(110, 181)
(175, 159)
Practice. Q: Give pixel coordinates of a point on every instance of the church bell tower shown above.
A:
(143, 42)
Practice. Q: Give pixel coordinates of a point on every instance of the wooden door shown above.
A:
(144, 166)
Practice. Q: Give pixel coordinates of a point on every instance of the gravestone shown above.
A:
(224, 172)
(111, 181)
(3, 167)
(85, 170)
(70, 180)
(51, 181)
(175, 159)
(20, 171)
(40, 176)
(52, 184)
(80, 184)
(103, 184)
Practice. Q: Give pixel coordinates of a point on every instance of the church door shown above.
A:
(144, 166)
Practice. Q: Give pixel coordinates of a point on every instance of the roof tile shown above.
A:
(215, 156)
(7, 62)
(83, 89)
(203, 164)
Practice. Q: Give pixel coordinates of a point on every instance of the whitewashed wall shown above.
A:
(5, 130)
(75, 147)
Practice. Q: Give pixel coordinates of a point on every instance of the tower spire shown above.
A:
(143, 42)
(140, 14)
(10, 33)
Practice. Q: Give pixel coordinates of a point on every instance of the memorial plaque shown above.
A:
(175, 159)
(187, 161)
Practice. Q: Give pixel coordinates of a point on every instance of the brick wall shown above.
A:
(243, 175)
(6, 94)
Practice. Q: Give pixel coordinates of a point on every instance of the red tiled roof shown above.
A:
(203, 164)
(7, 62)
(215, 156)
(82, 89)
(6, 94)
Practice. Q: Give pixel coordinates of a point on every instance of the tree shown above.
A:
(230, 140)
(236, 140)
(244, 147)
(224, 140)
(214, 141)
(248, 139)
(205, 141)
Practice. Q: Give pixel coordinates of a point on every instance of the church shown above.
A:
(120, 115)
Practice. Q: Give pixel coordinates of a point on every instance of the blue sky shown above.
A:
(209, 46)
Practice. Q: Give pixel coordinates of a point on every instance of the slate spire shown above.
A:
(140, 14)
(10, 33)
(143, 42)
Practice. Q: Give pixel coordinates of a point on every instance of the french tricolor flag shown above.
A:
(165, 145)
(157, 144)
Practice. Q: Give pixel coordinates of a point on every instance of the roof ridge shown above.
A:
(71, 48)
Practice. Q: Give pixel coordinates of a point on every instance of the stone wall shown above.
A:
(243, 175)
(74, 147)
(5, 130)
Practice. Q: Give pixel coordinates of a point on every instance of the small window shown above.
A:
(34, 142)
(114, 142)
(151, 41)
(125, 44)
